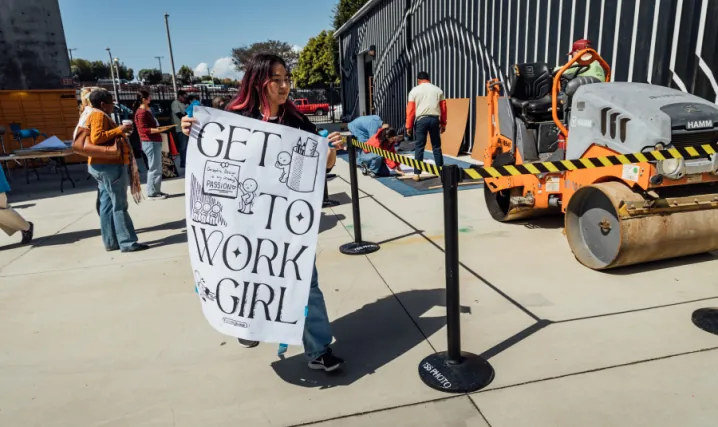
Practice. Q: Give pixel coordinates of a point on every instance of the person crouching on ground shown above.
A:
(376, 165)
(112, 176)
(263, 96)
(149, 132)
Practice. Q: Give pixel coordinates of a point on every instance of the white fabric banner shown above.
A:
(254, 192)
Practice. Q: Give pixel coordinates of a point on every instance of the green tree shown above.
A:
(126, 73)
(317, 62)
(100, 70)
(82, 70)
(185, 74)
(345, 9)
(151, 76)
(230, 82)
(242, 56)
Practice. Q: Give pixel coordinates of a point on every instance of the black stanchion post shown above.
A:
(454, 371)
(358, 246)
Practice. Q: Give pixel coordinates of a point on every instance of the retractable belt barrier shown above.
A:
(452, 371)
(477, 172)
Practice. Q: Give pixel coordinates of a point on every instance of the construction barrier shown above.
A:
(452, 371)
(477, 172)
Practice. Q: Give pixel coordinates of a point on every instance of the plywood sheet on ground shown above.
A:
(481, 140)
(457, 111)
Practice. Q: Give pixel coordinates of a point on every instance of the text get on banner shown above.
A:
(254, 200)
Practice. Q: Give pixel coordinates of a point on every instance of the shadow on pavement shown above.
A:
(662, 264)
(327, 222)
(370, 338)
(174, 239)
(173, 225)
(23, 206)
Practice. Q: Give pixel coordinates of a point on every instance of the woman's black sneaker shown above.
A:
(247, 343)
(327, 362)
(27, 235)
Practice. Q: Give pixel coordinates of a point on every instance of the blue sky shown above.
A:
(203, 31)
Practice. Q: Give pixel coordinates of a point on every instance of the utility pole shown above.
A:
(117, 69)
(70, 52)
(172, 59)
(114, 84)
(159, 61)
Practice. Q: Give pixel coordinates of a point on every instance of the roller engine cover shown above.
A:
(634, 117)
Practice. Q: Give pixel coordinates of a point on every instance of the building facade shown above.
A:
(33, 51)
(464, 43)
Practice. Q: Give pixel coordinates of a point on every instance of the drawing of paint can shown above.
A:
(303, 171)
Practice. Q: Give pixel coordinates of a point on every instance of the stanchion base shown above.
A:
(361, 248)
(706, 319)
(440, 373)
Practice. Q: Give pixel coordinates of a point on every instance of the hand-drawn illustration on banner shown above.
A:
(255, 191)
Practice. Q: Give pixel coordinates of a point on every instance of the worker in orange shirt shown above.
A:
(426, 115)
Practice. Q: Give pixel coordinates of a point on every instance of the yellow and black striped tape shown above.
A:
(692, 152)
(591, 163)
(423, 166)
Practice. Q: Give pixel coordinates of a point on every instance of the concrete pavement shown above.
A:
(92, 338)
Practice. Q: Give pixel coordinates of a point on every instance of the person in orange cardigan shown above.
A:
(113, 179)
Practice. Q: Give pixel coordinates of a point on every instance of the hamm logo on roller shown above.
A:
(699, 124)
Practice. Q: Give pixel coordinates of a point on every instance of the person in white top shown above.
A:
(426, 115)
(85, 111)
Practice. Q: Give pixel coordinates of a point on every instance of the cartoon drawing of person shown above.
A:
(214, 215)
(283, 160)
(248, 187)
(196, 211)
(205, 213)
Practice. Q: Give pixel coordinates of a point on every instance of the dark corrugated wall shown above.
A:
(463, 43)
(33, 52)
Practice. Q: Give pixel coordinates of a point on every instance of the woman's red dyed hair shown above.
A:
(253, 93)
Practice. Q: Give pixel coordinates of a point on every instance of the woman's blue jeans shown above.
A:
(115, 222)
(153, 151)
(374, 163)
(317, 330)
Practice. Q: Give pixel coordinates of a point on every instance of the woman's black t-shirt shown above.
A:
(298, 122)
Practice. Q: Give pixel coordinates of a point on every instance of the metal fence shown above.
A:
(162, 97)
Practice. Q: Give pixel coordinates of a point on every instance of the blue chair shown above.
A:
(21, 134)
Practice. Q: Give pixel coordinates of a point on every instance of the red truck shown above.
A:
(305, 107)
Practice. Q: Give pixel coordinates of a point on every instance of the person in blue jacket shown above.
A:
(11, 221)
(364, 127)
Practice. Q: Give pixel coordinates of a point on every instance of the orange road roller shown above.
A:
(621, 207)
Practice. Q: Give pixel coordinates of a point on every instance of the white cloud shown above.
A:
(222, 68)
(297, 48)
(201, 70)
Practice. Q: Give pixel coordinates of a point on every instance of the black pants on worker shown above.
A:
(428, 125)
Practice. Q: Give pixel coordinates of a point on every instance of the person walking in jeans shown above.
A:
(426, 115)
(112, 176)
(178, 108)
(149, 132)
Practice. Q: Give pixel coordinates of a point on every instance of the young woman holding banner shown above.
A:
(263, 96)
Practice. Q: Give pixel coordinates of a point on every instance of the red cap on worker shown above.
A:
(580, 45)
